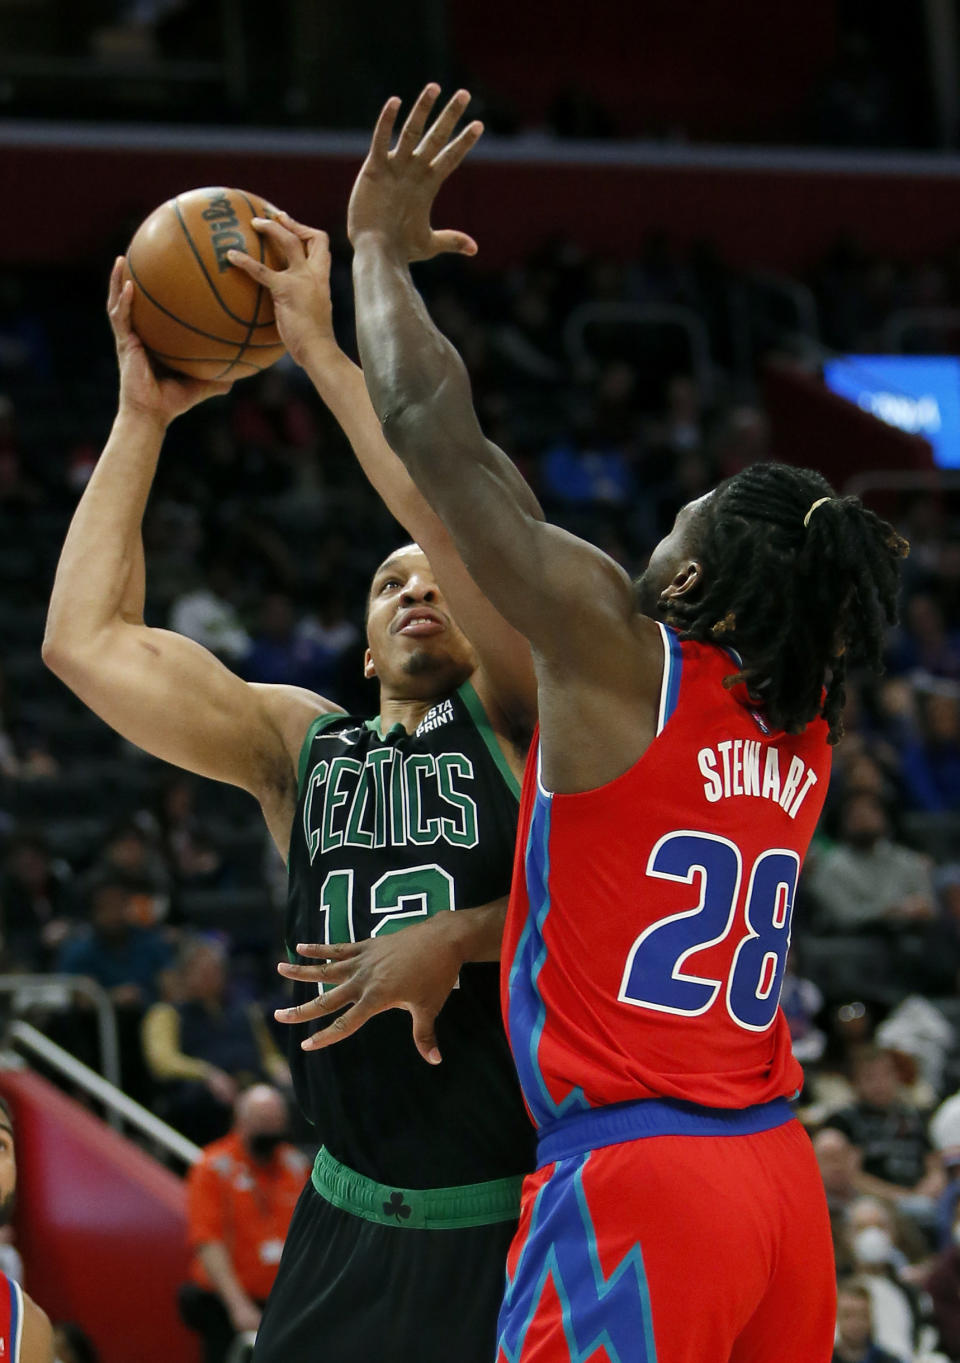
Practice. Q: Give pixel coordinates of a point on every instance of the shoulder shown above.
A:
(291, 711)
(37, 1345)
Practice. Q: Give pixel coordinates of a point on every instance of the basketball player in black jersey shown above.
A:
(396, 1251)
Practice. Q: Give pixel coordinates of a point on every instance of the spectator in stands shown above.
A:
(801, 1001)
(281, 652)
(930, 765)
(240, 1198)
(868, 881)
(855, 1342)
(839, 1163)
(73, 1345)
(925, 643)
(123, 957)
(943, 1285)
(879, 1262)
(132, 848)
(898, 1161)
(207, 613)
(24, 754)
(329, 625)
(202, 1048)
(36, 903)
(944, 1131)
(189, 845)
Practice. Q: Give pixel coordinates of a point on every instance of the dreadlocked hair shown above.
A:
(797, 599)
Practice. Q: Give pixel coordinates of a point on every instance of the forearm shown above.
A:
(100, 575)
(476, 933)
(420, 392)
(341, 385)
(215, 1259)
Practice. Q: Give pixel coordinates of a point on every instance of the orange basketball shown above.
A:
(193, 310)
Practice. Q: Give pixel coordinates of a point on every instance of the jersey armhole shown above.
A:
(484, 728)
(670, 682)
(16, 1318)
(316, 725)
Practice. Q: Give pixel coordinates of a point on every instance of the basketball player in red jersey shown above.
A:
(25, 1333)
(676, 1213)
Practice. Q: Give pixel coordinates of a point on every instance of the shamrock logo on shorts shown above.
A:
(396, 1207)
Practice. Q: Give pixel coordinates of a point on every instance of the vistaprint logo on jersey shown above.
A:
(440, 714)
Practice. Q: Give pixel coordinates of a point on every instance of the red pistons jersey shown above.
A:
(649, 919)
(11, 1320)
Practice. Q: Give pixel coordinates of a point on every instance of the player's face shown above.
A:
(8, 1171)
(414, 647)
(674, 568)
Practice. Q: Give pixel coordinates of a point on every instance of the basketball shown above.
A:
(191, 309)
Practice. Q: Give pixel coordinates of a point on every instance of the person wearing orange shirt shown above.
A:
(240, 1198)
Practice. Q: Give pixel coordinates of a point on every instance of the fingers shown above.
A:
(383, 132)
(412, 130)
(424, 1036)
(324, 1004)
(439, 135)
(345, 1025)
(446, 162)
(254, 268)
(453, 243)
(289, 244)
(116, 284)
(119, 304)
(329, 951)
(305, 233)
(328, 972)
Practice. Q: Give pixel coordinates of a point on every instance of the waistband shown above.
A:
(467, 1204)
(599, 1126)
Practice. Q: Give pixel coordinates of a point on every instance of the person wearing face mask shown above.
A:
(240, 1198)
(943, 1285)
(878, 1261)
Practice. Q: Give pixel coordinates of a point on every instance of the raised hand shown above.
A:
(141, 390)
(301, 290)
(393, 194)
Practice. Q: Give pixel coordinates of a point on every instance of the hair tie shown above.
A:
(806, 519)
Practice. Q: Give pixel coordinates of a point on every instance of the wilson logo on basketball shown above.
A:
(225, 230)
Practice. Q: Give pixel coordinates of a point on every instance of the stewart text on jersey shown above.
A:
(650, 919)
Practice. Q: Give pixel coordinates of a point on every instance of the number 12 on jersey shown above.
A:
(654, 975)
(397, 899)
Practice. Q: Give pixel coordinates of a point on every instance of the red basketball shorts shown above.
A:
(704, 1239)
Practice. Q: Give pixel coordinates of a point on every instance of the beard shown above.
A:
(7, 1207)
(422, 662)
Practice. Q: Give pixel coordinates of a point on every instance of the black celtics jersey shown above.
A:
(391, 829)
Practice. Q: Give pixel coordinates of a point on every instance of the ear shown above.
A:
(686, 579)
(369, 666)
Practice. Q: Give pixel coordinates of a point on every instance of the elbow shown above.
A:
(54, 653)
(60, 653)
(404, 426)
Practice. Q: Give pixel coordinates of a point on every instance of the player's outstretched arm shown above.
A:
(553, 587)
(160, 690)
(303, 309)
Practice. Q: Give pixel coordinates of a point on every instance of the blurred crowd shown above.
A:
(261, 536)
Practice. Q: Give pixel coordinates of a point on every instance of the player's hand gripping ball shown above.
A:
(191, 309)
